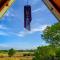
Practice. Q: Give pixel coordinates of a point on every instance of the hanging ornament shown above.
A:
(27, 16)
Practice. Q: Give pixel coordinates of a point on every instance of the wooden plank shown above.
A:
(4, 6)
(53, 8)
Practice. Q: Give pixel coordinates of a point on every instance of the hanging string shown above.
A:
(27, 2)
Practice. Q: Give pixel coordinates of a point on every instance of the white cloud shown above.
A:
(2, 30)
(33, 2)
(10, 13)
(39, 29)
(36, 10)
(3, 27)
(33, 30)
(41, 9)
(4, 46)
(23, 33)
(3, 33)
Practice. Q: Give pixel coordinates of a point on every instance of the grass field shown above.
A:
(17, 56)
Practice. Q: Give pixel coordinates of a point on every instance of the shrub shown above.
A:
(11, 52)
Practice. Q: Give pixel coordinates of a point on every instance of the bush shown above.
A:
(44, 53)
(11, 52)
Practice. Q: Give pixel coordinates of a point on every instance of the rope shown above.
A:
(27, 2)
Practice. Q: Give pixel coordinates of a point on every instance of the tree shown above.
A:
(11, 52)
(58, 53)
(45, 53)
(51, 52)
(52, 34)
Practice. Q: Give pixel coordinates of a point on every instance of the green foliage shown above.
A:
(45, 53)
(3, 51)
(52, 34)
(58, 53)
(11, 52)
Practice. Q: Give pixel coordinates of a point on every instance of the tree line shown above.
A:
(51, 35)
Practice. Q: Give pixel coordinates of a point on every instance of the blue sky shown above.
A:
(12, 32)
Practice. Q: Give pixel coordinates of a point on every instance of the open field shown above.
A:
(17, 56)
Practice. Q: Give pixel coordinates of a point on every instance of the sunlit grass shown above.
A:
(17, 56)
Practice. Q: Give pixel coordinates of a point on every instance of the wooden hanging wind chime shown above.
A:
(27, 16)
